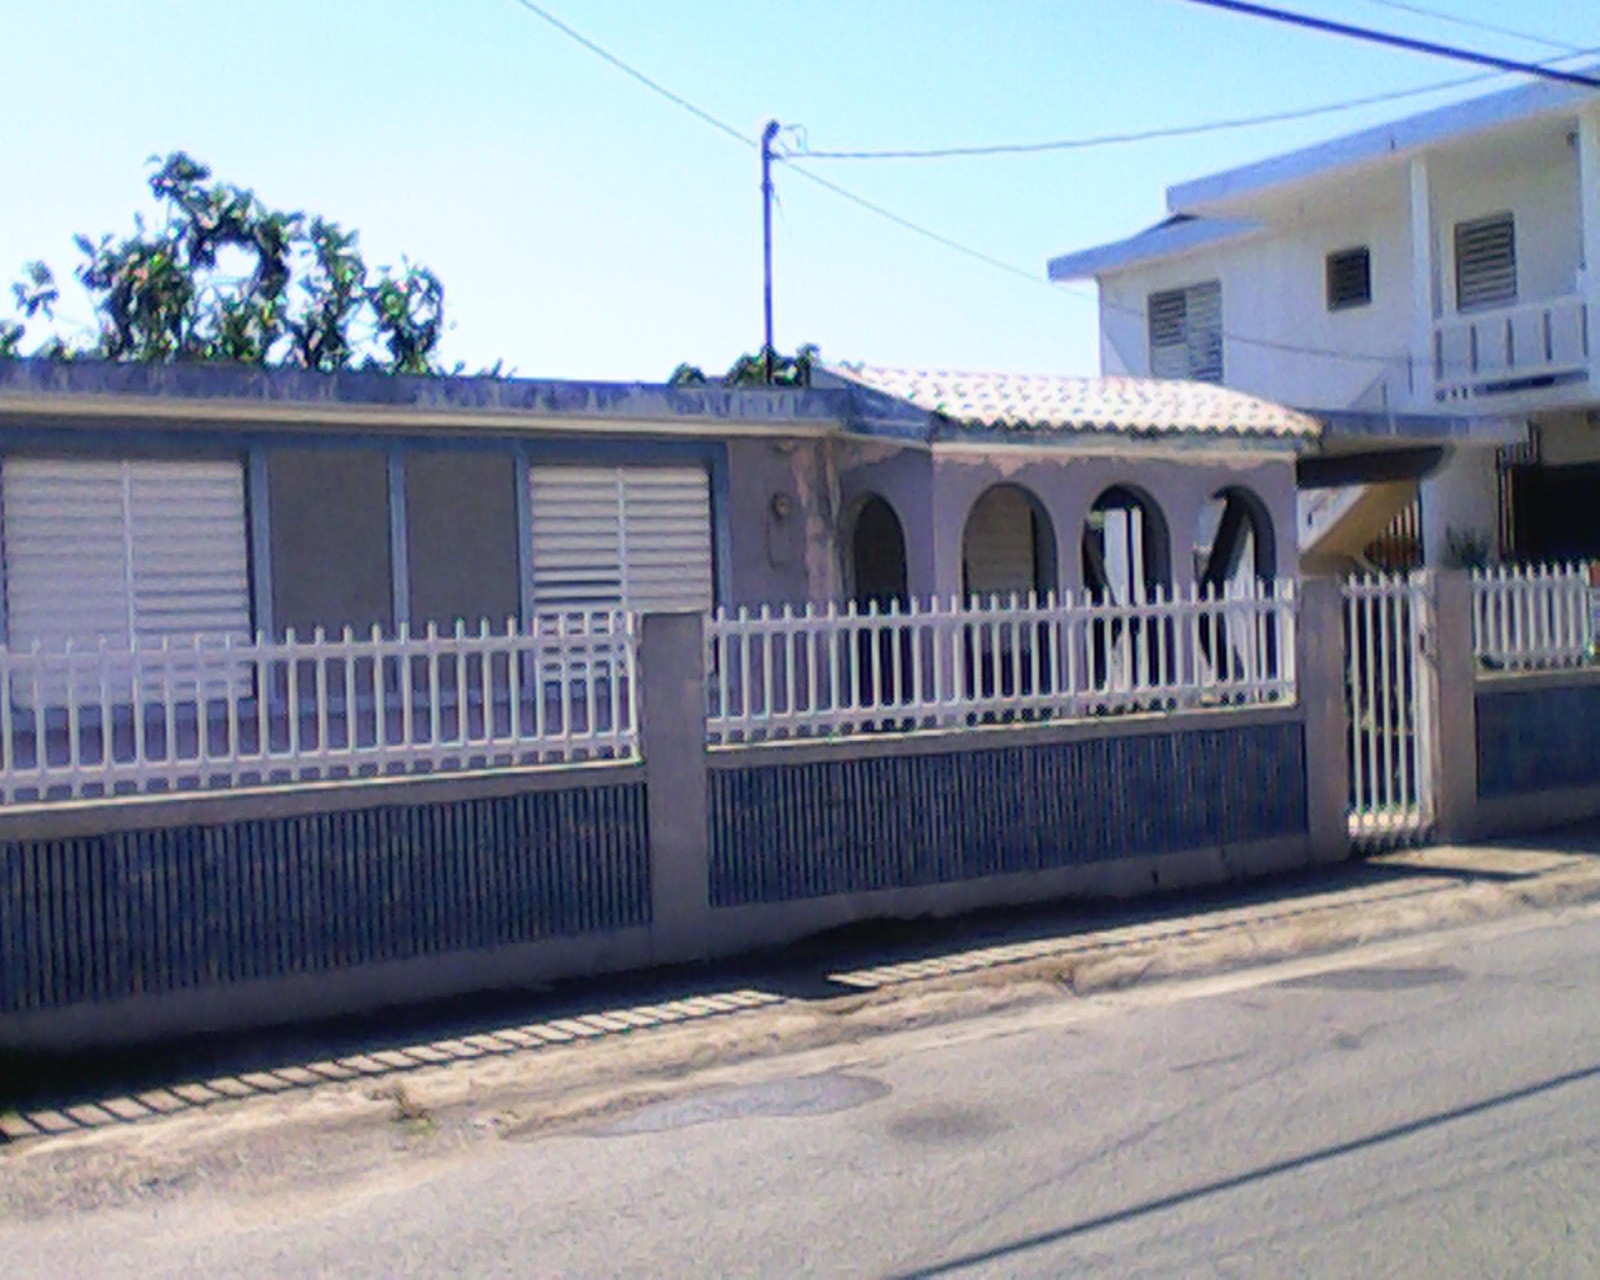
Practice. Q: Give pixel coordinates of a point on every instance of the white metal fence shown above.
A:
(839, 670)
(227, 712)
(1530, 618)
(1389, 688)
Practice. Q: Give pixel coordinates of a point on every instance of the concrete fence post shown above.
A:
(1321, 678)
(1456, 708)
(672, 741)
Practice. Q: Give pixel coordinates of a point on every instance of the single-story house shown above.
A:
(139, 502)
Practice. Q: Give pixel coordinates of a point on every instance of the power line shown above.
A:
(1168, 131)
(722, 126)
(1372, 36)
(917, 228)
(1476, 24)
(927, 233)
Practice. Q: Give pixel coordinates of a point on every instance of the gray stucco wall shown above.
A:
(902, 477)
(782, 522)
(934, 493)
(461, 536)
(329, 520)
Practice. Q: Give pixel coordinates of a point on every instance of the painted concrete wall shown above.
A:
(1569, 438)
(1537, 182)
(1462, 496)
(1273, 282)
(461, 536)
(1538, 750)
(782, 516)
(330, 537)
(1274, 292)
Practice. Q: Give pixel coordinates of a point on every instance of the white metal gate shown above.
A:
(1389, 699)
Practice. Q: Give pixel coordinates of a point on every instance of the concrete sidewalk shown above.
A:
(581, 1047)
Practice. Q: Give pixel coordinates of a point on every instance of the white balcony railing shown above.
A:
(1508, 348)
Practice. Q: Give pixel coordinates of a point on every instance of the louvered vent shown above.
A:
(1486, 262)
(1349, 279)
(1186, 333)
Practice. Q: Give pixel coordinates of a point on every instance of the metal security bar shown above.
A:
(1390, 699)
(1533, 618)
(839, 670)
(221, 712)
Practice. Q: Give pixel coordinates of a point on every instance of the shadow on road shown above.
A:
(1011, 1249)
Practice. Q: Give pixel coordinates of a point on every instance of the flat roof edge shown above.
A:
(1165, 240)
(238, 390)
(1393, 138)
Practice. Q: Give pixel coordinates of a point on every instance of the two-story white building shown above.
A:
(1430, 288)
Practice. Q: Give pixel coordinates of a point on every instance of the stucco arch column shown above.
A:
(1174, 490)
(962, 477)
(1272, 482)
(904, 479)
(1182, 498)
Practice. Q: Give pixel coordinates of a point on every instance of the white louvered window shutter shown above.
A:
(619, 537)
(66, 550)
(190, 564)
(666, 521)
(125, 551)
(576, 555)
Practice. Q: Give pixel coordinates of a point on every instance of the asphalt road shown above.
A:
(1432, 1113)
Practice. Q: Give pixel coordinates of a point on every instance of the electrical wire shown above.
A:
(1475, 24)
(1168, 131)
(927, 233)
(633, 73)
(1372, 36)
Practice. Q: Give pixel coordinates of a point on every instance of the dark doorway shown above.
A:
(1556, 512)
(878, 556)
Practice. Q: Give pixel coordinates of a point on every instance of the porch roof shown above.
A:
(1028, 405)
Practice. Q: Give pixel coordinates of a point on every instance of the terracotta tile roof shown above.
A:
(1137, 406)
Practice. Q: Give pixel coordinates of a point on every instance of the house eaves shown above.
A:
(1177, 235)
(1342, 428)
(1216, 193)
(241, 397)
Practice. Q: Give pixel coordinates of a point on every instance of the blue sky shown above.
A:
(585, 228)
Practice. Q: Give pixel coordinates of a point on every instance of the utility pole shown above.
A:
(767, 136)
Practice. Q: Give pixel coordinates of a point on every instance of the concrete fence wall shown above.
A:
(1515, 752)
(1538, 750)
(139, 918)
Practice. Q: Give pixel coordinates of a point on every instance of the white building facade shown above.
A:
(1432, 285)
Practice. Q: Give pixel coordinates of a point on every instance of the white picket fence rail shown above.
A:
(218, 712)
(1531, 618)
(839, 670)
